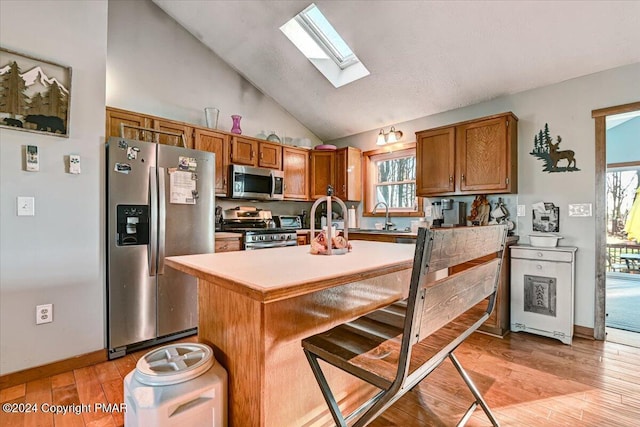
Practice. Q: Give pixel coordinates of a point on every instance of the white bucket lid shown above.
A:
(174, 363)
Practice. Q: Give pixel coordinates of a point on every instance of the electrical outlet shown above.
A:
(521, 211)
(427, 210)
(44, 313)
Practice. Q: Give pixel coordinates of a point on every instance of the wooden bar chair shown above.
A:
(396, 347)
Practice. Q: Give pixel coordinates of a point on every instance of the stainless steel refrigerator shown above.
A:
(160, 203)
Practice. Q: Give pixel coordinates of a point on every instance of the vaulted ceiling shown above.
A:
(425, 57)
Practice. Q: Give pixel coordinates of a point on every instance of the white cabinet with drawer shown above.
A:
(542, 284)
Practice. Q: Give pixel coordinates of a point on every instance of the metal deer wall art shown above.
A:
(555, 159)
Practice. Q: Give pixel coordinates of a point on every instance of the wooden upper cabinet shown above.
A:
(435, 155)
(323, 171)
(269, 155)
(244, 151)
(349, 174)
(474, 157)
(173, 127)
(117, 117)
(484, 153)
(295, 164)
(217, 143)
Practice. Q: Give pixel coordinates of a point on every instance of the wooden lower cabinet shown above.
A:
(499, 322)
(228, 242)
(303, 239)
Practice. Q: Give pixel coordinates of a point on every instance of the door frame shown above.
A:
(600, 117)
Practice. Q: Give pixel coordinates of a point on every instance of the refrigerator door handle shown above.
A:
(162, 215)
(153, 226)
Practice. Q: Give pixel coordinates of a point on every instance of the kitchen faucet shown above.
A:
(387, 223)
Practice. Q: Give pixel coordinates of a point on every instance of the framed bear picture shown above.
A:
(35, 95)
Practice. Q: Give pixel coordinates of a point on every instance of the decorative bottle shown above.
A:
(236, 124)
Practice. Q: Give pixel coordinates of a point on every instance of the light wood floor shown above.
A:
(527, 380)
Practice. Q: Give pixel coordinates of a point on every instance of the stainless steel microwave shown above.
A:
(256, 183)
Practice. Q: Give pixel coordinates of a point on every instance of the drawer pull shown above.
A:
(540, 254)
(539, 267)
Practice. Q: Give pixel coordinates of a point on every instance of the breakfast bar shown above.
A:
(255, 307)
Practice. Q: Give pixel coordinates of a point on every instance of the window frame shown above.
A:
(391, 151)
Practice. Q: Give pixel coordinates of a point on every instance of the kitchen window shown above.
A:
(390, 177)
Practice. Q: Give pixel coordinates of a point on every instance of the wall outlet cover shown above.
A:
(580, 209)
(26, 206)
(521, 210)
(44, 314)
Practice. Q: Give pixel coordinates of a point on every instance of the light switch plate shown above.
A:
(26, 206)
(580, 209)
(521, 210)
(427, 210)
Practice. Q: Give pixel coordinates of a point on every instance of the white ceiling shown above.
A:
(425, 57)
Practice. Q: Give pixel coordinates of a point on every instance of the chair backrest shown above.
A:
(433, 304)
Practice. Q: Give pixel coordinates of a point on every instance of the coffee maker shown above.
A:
(454, 214)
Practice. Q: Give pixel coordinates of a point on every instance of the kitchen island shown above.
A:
(255, 307)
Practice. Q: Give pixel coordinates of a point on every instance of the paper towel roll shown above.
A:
(352, 217)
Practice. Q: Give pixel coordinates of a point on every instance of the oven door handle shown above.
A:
(273, 184)
(252, 246)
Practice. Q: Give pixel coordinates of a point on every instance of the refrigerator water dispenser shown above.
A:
(133, 225)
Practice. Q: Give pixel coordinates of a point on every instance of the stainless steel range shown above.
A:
(258, 227)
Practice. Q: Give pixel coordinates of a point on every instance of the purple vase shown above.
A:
(236, 124)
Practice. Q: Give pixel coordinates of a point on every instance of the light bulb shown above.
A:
(391, 137)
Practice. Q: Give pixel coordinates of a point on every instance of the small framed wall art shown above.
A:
(35, 95)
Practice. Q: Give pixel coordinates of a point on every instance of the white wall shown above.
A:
(57, 255)
(156, 67)
(566, 107)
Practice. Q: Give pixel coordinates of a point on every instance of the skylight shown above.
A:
(315, 37)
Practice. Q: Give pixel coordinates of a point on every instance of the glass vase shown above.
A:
(211, 117)
(236, 124)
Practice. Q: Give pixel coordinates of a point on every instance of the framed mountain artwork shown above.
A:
(35, 95)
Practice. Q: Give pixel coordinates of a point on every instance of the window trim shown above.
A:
(401, 149)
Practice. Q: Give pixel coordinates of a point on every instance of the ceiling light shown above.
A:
(389, 138)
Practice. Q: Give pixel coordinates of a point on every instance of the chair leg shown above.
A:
(474, 391)
(326, 391)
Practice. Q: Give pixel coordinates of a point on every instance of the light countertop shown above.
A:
(278, 273)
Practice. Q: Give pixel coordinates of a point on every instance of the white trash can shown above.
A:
(176, 385)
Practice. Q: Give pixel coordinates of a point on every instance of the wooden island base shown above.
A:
(256, 328)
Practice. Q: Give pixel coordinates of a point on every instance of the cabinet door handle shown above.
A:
(261, 155)
(450, 178)
(462, 177)
(251, 155)
(224, 181)
(344, 188)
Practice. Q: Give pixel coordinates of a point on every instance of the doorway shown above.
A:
(617, 273)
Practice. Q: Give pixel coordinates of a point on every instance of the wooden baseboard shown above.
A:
(54, 368)
(583, 332)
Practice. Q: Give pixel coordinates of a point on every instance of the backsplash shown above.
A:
(295, 208)
(510, 201)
